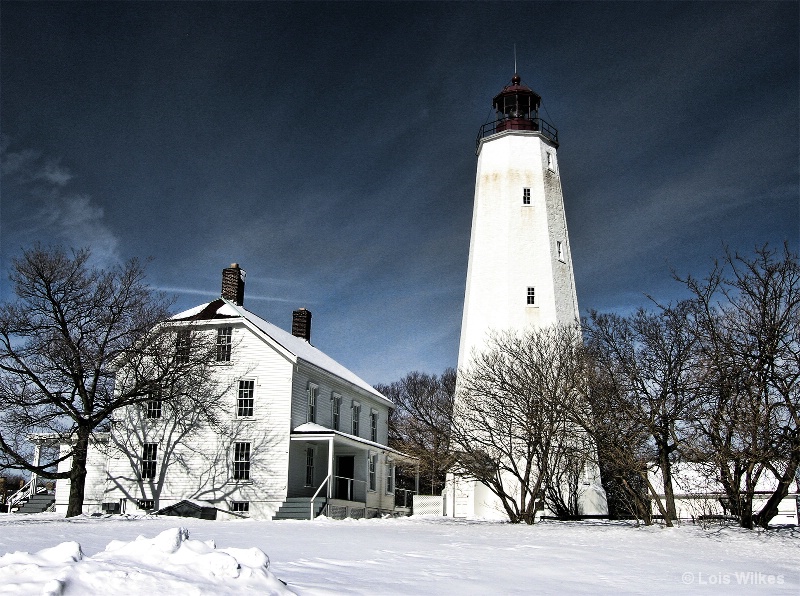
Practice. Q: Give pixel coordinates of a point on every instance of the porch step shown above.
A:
(299, 508)
(37, 503)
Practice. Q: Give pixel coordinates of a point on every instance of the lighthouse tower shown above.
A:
(520, 266)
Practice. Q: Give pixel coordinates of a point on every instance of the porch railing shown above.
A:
(344, 488)
(26, 492)
(324, 482)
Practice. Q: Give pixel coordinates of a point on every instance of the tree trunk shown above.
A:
(746, 513)
(660, 506)
(77, 476)
(666, 476)
(770, 508)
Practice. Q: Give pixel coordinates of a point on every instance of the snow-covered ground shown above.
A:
(422, 555)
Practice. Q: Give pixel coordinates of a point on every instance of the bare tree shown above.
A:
(174, 416)
(69, 330)
(513, 421)
(650, 357)
(622, 446)
(747, 321)
(421, 421)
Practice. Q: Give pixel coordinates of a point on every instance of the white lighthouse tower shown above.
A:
(520, 266)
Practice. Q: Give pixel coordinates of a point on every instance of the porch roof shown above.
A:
(311, 431)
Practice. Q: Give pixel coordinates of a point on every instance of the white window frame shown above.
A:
(355, 421)
(526, 196)
(183, 346)
(389, 476)
(149, 461)
(311, 407)
(224, 343)
(153, 407)
(530, 296)
(310, 463)
(240, 506)
(372, 471)
(242, 460)
(336, 411)
(560, 250)
(251, 399)
(551, 161)
(373, 426)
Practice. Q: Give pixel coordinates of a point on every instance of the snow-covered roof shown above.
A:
(312, 428)
(226, 309)
(294, 345)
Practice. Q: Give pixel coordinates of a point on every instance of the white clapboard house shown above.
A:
(303, 434)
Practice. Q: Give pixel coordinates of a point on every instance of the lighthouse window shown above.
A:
(560, 250)
(531, 295)
(526, 196)
(550, 163)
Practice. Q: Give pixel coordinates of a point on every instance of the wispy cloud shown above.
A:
(53, 210)
(195, 292)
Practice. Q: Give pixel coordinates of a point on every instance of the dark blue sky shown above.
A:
(329, 148)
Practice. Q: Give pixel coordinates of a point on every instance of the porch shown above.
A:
(342, 475)
(36, 495)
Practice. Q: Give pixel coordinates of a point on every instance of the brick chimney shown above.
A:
(233, 284)
(301, 324)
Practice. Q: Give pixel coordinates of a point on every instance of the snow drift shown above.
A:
(170, 563)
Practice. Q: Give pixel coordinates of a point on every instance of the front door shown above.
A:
(345, 468)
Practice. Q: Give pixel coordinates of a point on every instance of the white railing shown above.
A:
(324, 482)
(345, 485)
(26, 492)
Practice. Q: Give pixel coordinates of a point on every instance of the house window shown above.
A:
(153, 406)
(149, 453)
(244, 405)
(531, 297)
(373, 465)
(146, 504)
(560, 250)
(373, 426)
(526, 196)
(336, 410)
(241, 461)
(183, 344)
(240, 506)
(309, 466)
(224, 340)
(389, 476)
(356, 415)
(313, 391)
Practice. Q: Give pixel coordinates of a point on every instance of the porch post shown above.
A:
(34, 475)
(416, 478)
(330, 468)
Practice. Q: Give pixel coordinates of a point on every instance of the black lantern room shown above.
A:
(517, 108)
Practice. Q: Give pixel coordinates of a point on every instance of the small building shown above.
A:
(699, 496)
(295, 428)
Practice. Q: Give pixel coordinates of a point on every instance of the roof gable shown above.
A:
(300, 348)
